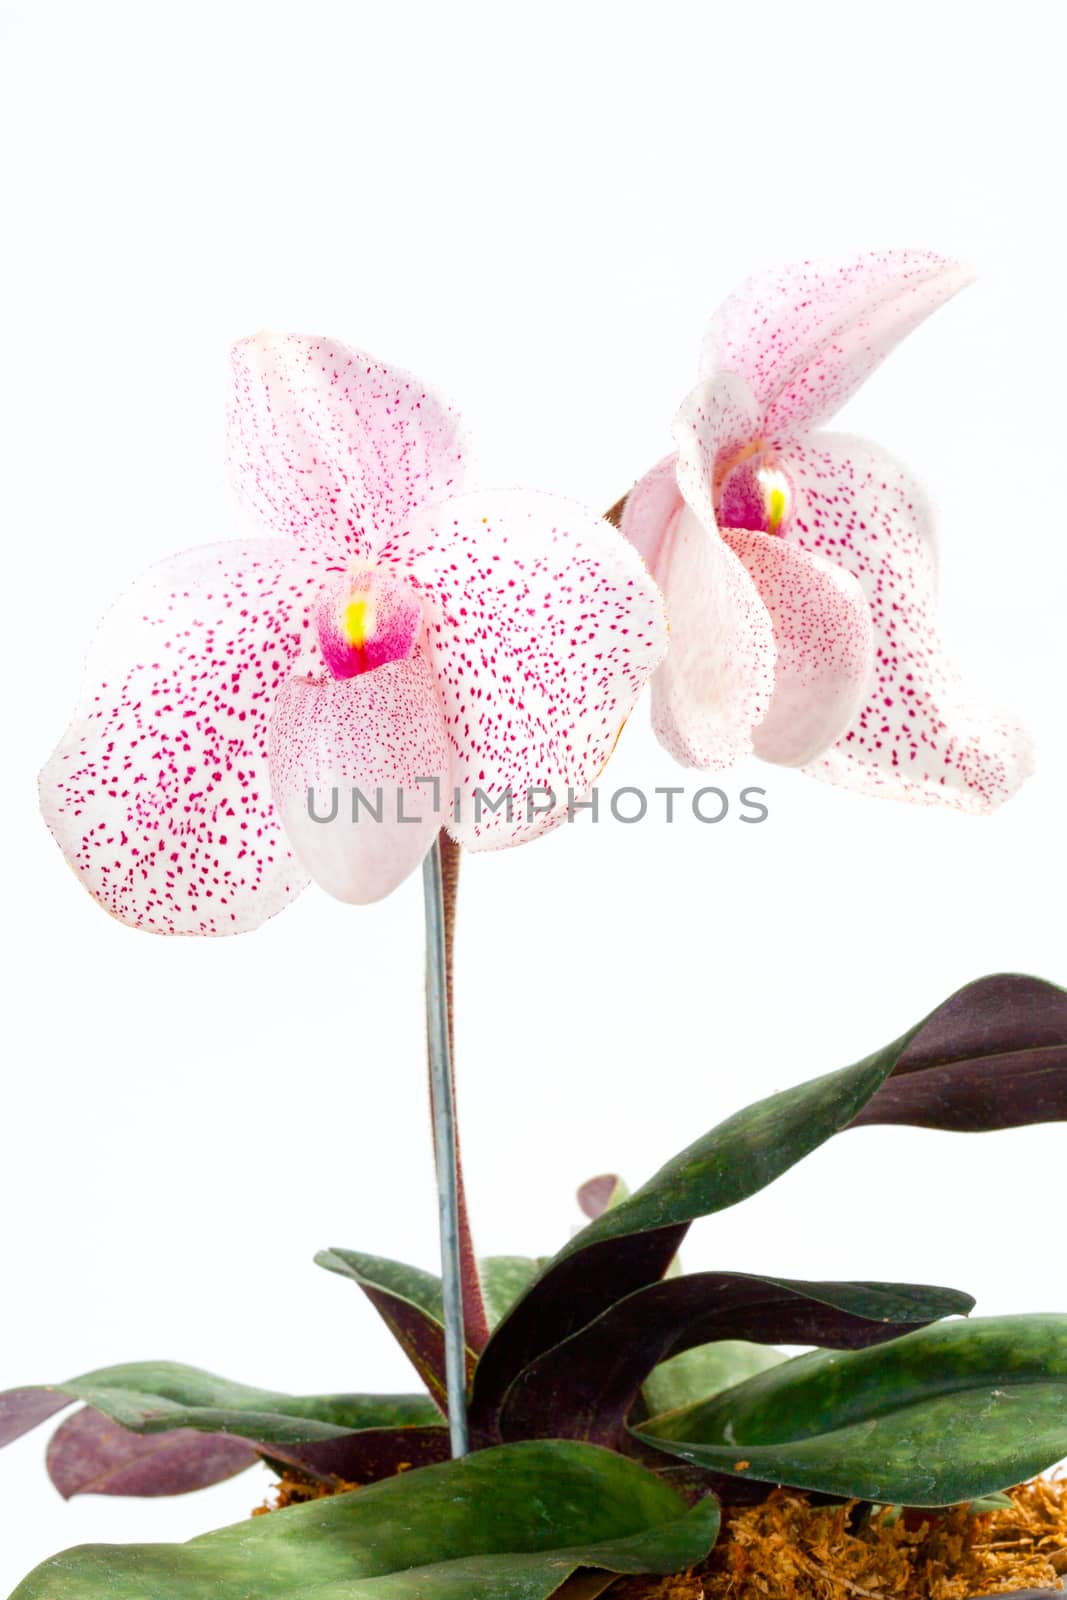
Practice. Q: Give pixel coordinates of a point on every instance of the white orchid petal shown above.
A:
(158, 793)
(542, 627)
(718, 679)
(917, 737)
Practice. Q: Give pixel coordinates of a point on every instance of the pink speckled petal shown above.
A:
(718, 679)
(649, 511)
(916, 738)
(158, 793)
(359, 746)
(717, 422)
(825, 642)
(332, 447)
(805, 336)
(542, 626)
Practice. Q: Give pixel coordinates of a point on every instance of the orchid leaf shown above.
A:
(517, 1521)
(409, 1302)
(947, 1414)
(1000, 1017)
(597, 1195)
(414, 1284)
(569, 1293)
(704, 1371)
(994, 1056)
(585, 1387)
(90, 1454)
(363, 1457)
(22, 1410)
(158, 1396)
(504, 1280)
(631, 1244)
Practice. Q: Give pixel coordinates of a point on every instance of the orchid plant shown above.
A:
(389, 667)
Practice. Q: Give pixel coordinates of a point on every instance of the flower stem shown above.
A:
(475, 1317)
(444, 1136)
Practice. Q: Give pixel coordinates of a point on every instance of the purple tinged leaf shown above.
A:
(993, 1056)
(599, 1194)
(420, 1337)
(408, 1301)
(24, 1409)
(363, 1457)
(90, 1454)
(152, 1397)
(573, 1291)
(585, 1387)
(991, 1016)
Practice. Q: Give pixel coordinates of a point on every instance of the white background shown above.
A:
(536, 208)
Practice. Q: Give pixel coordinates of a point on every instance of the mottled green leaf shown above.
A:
(504, 1280)
(703, 1372)
(507, 1524)
(155, 1396)
(951, 1413)
(414, 1284)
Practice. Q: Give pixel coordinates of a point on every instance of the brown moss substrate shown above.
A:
(786, 1549)
(294, 1490)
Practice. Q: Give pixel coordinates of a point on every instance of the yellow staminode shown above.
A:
(775, 496)
(776, 509)
(358, 620)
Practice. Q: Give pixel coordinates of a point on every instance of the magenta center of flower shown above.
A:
(364, 620)
(752, 491)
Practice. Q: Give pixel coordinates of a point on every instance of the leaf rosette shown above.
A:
(617, 1399)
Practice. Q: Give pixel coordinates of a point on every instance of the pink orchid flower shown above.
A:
(798, 566)
(386, 633)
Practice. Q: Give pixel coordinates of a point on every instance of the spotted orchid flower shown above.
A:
(421, 653)
(798, 566)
